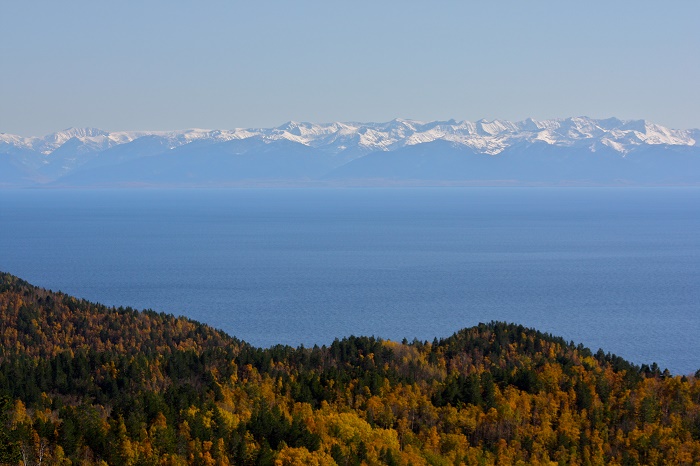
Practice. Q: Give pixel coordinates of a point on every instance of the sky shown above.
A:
(161, 65)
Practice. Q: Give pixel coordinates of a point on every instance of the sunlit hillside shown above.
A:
(84, 384)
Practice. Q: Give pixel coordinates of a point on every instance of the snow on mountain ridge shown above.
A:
(489, 137)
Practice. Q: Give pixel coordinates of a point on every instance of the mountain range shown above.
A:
(571, 151)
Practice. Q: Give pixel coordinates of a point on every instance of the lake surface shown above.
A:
(612, 268)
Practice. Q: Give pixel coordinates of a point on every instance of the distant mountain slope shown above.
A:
(577, 150)
(81, 383)
(12, 173)
(528, 163)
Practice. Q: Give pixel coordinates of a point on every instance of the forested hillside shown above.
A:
(81, 383)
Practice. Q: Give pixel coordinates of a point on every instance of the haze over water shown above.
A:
(606, 267)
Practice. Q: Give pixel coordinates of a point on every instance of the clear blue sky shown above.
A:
(171, 65)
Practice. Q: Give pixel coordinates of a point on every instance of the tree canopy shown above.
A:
(81, 383)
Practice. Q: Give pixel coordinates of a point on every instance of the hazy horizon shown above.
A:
(281, 124)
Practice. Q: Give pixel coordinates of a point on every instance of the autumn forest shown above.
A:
(84, 384)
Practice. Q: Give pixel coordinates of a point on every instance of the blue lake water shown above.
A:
(617, 269)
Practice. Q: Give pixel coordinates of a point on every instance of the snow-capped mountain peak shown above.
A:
(73, 147)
